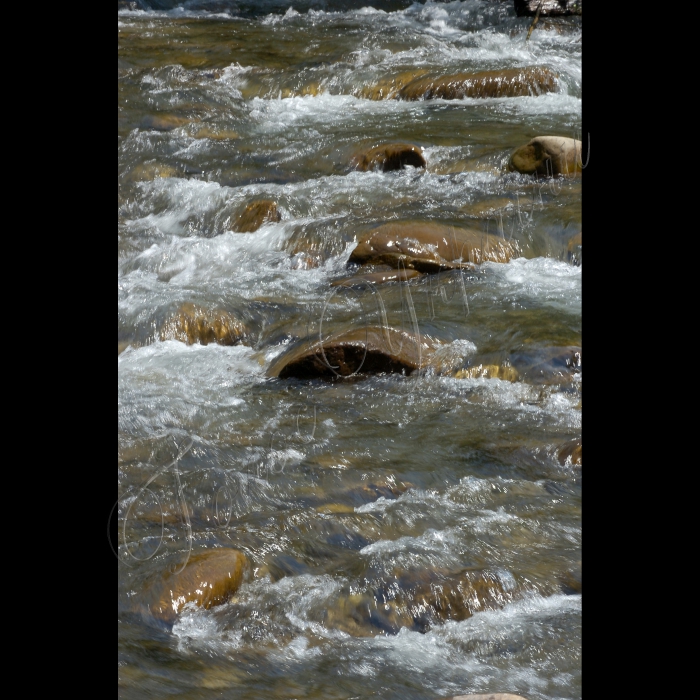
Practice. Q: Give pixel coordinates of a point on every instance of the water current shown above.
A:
(407, 535)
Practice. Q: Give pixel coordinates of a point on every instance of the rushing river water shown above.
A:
(407, 536)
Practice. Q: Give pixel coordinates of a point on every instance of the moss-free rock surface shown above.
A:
(208, 579)
(390, 156)
(195, 324)
(369, 350)
(548, 156)
(429, 247)
(377, 278)
(516, 82)
(254, 215)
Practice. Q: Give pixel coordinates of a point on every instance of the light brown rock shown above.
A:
(516, 82)
(548, 156)
(390, 156)
(505, 372)
(208, 579)
(194, 324)
(369, 350)
(429, 247)
(163, 122)
(389, 87)
(254, 215)
(377, 278)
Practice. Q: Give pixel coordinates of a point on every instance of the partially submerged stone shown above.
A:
(488, 696)
(163, 122)
(153, 170)
(570, 453)
(390, 156)
(574, 250)
(194, 324)
(254, 215)
(548, 156)
(514, 82)
(377, 278)
(208, 579)
(389, 87)
(369, 350)
(504, 372)
(429, 247)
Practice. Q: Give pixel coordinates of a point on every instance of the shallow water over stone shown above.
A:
(410, 531)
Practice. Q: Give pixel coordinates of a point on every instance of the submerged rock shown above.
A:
(208, 579)
(417, 601)
(548, 156)
(163, 122)
(573, 250)
(194, 324)
(505, 372)
(570, 453)
(390, 156)
(429, 247)
(515, 82)
(377, 278)
(370, 350)
(254, 215)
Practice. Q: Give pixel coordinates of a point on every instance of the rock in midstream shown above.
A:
(429, 247)
(254, 215)
(548, 156)
(390, 156)
(208, 579)
(195, 324)
(488, 696)
(377, 277)
(368, 350)
(570, 453)
(418, 600)
(514, 82)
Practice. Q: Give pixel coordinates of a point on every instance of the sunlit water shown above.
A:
(335, 490)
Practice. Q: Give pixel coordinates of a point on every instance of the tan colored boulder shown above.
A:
(515, 82)
(194, 324)
(505, 372)
(254, 215)
(208, 579)
(429, 247)
(369, 350)
(390, 156)
(215, 133)
(153, 171)
(389, 87)
(548, 156)
(377, 278)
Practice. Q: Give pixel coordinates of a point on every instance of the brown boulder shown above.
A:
(429, 247)
(570, 453)
(515, 82)
(391, 156)
(370, 350)
(194, 324)
(377, 278)
(163, 122)
(208, 579)
(389, 87)
(489, 372)
(548, 156)
(254, 215)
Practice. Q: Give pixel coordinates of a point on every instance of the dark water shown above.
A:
(353, 501)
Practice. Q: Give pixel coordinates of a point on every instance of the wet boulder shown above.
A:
(514, 82)
(570, 453)
(193, 324)
(505, 372)
(382, 277)
(389, 87)
(390, 156)
(429, 247)
(573, 250)
(369, 350)
(208, 579)
(548, 156)
(254, 215)
(488, 696)
(163, 122)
